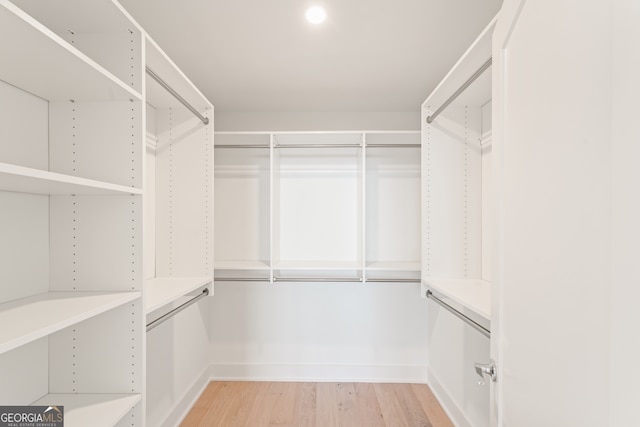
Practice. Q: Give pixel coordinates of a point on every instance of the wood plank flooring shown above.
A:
(295, 404)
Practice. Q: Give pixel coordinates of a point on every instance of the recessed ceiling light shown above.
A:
(316, 15)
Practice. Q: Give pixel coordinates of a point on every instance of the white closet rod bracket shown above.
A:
(160, 320)
(176, 95)
(475, 325)
(461, 89)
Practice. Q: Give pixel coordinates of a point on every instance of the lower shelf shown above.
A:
(471, 297)
(161, 291)
(43, 314)
(95, 410)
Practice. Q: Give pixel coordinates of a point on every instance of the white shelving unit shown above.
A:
(180, 182)
(71, 190)
(318, 206)
(456, 207)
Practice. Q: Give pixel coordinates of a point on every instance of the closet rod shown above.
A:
(176, 310)
(317, 279)
(461, 89)
(241, 279)
(392, 280)
(394, 145)
(318, 146)
(176, 95)
(239, 146)
(475, 325)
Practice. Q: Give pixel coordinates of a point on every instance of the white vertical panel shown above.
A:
(96, 243)
(487, 210)
(452, 194)
(393, 204)
(554, 266)
(242, 204)
(177, 355)
(453, 349)
(97, 140)
(184, 203)
(24, 245)
(24, 373)
(103, 354)
(625, 289)
(23, 128)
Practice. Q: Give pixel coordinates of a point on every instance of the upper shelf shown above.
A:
(480, 91)
(472, 294)
(157, 96)
(53, 69)
(43, 314)
(27, 180)
(161, 291)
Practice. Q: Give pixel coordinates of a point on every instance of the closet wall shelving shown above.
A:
(317, 206)
(456, 191)
(71, 126)
(179, 184)
(456, 209)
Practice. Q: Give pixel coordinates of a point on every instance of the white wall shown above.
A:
(318, 331)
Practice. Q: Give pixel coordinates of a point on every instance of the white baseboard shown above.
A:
(452, 410)
(318, 373)
(189, 398)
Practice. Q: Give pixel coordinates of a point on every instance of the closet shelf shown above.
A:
(52, 68)
(161, 291)
(43, 314)
(27, 180)
(472, 294)
(94, 410)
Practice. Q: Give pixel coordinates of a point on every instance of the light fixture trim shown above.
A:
(316, 15)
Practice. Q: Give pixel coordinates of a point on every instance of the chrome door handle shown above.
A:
(488, 369)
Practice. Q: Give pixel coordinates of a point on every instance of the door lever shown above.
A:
(488, 369)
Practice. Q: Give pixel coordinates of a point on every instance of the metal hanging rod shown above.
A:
(461, 89)
(160, 320)
(240, 146)
(394, 145)
(317, 279)
(392, 280)
(317, 146)
(241, 279)
(176, 95)
(475, 325)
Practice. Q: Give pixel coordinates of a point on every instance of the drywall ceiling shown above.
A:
(261, 55)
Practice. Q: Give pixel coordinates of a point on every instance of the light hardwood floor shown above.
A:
(236, 404)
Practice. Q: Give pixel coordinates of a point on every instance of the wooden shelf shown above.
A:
(47, 66)
(95, 410)
(40, 315)
(164, 290)
(472, 294)
(27, 180)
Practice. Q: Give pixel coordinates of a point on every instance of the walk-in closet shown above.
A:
(326, 213)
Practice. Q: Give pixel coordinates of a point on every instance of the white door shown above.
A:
(552, 159)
